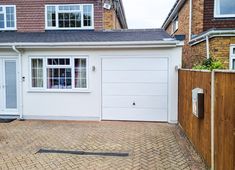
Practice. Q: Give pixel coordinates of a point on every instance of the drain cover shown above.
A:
(85, 153)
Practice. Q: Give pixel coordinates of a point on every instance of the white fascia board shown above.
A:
(211, 34)
(143, 44)
(173, 13)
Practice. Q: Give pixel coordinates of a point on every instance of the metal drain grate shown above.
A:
(115, 154)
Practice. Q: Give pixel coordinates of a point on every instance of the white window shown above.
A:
(224, 8)
(73, 16)
(53, 73)
(7, 17)
(175, 24)
(232, 57)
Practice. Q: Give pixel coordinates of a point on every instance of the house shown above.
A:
(75, 60)
(207, 28)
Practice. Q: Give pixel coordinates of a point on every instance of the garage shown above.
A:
(135, 88)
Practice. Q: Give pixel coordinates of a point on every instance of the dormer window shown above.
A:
(224, 8)
(73, 16)
(7, 17)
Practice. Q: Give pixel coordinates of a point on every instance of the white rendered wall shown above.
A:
(87, 105)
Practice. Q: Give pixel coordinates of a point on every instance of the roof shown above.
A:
(84, 36)
(173, 12)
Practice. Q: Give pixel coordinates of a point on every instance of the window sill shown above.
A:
(221, 17)
(59, 91)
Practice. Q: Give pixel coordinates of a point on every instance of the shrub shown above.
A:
(209, 64)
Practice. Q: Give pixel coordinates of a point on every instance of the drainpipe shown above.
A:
(20, 82)
(190, 19)
(207, 47)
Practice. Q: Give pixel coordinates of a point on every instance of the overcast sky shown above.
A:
(147, 13)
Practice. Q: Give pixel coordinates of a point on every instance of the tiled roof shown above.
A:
(84, 36)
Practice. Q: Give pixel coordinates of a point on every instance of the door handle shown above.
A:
(133, 104)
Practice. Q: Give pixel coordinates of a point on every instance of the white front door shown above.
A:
(135, 89)
(8, 86)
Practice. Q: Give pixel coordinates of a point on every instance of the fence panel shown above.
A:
(224, 121)
(197, 130)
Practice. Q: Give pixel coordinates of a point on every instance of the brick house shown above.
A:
(76, 60)
(207, 28)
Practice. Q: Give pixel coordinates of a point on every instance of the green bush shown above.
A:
(209, 64)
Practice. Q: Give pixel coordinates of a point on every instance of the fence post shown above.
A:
(212, 120)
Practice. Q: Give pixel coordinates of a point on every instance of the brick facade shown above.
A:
(202, 20)
(210, 22)
(31, 14)
(111, 20)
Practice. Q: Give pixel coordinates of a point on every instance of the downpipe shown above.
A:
(20, 82)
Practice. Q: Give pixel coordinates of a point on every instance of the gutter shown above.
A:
(98, 45)
(20, 81)
(210, 34)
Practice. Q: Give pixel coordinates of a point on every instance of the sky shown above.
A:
(146, 13)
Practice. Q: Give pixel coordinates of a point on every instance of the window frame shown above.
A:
(232, 56)
(216, 9)
(72, 28)
(45, 67)
(5, 18)
(174, 23)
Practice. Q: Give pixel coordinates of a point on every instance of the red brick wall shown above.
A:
(31, 13)
(211, 22)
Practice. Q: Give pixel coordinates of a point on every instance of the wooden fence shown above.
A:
(199, 130)
(224, 120)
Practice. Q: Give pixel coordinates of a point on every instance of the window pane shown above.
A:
(227, 7)
(58, 61)
(233, 50)
(10, 15)
(59, 78)
(69, 20)
(2, 21)
(51, 16)
(233, 64)
(37, 72)
(80, 73)
(87, 15)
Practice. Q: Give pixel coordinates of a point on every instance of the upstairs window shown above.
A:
(7, 17)
(175, 24)
(73, 16)
(232, 58)
(224, 8)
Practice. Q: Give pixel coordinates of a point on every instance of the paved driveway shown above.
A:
(150, 146)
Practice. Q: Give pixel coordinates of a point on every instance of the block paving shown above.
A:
(150, 146)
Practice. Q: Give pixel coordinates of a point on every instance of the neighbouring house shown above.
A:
(207, 28)
(65, 59)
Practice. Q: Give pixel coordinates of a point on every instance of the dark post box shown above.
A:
(198, 102)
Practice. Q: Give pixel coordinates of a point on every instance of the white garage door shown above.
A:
(134, 89)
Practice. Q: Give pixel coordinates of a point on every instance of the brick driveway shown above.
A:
(150, 145)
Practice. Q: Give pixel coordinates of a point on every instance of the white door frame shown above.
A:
(3, 109)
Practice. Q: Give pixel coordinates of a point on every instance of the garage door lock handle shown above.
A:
(133, 103)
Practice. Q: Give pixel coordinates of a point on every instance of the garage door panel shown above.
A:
(135, 76)
(135, 114)
(128, 89)
(154, 102)
(143, 81)
(135, 64)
